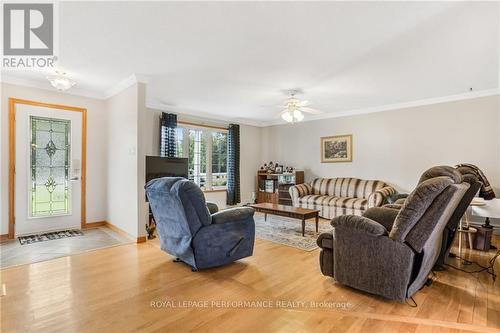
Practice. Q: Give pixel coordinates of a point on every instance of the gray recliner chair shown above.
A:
(452, 225)
(362, 253)
(190, 232)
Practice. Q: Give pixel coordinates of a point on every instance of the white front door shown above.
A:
(48, 169)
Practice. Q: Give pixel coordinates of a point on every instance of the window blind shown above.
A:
(233, 165)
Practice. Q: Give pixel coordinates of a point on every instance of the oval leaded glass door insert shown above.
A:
(50, 156)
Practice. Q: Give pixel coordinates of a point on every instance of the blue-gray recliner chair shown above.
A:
(188, 230)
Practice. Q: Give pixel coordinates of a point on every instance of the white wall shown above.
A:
(122, 169)
(396, 146)
(250, 153)
(250, 159)
(144, 149)
(96, 146)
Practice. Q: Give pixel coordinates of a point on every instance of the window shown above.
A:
(206, 150)
(197, 159)
(49, 166)
(179, 141)
(219, 159)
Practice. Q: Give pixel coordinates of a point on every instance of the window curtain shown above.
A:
(168, 124)
(233, 165)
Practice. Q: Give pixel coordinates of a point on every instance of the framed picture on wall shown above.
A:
(336, 148)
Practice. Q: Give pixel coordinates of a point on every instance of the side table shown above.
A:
(487, 209)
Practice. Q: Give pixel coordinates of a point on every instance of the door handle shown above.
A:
(74, 179)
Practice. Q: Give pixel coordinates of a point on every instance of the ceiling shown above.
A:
(234, 61)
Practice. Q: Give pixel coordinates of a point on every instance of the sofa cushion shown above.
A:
(331, 201)
(346, 187)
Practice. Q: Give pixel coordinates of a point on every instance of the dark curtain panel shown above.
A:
(168, 123)
(233, 165)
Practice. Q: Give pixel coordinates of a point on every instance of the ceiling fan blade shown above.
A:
(303, 103)
(310, 110)
(274, 106)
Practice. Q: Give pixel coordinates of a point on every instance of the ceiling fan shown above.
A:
(294, 108)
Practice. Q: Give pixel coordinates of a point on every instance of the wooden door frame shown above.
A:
(12, 155)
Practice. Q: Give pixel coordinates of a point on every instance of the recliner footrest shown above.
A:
(325, 242)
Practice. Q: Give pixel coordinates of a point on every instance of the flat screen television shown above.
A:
(157, 167)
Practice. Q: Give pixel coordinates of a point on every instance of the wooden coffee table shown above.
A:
(288, 211)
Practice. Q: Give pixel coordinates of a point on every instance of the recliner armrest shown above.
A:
(359, 224)
(325, 240)
(212, 207)
(232, 215)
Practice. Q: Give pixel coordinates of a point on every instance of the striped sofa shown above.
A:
(340, 196)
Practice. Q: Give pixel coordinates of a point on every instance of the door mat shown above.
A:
(30, 239)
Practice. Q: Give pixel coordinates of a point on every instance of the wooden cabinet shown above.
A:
(273, 187)
(267, 197)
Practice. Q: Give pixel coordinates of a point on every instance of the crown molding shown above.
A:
(397, 106)
(202, 116)
(45, 85)
(126, 83)
(139, 78)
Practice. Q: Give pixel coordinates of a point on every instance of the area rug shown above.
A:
(12, 253)
(30, 239)
(287, 231)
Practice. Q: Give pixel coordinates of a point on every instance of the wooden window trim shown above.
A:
(216, 190)
(188, 124)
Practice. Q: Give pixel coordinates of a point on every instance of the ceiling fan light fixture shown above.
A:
(294, 108)
(292, 116)
(287, 116)
(60, 81)
(299, 116)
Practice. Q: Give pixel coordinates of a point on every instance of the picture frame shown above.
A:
(279, 169)
(336, 149)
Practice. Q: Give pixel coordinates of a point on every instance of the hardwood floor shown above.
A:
(113, 289)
